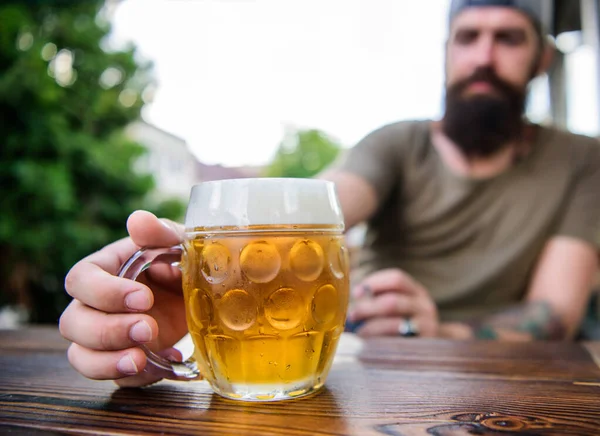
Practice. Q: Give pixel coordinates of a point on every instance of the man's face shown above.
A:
(496, 38)
(492, 54)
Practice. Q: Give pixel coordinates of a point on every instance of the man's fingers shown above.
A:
(146, 230)
(129, 368)
(103, 365)
(111, 257)
(391, 326)
(102, 266)
(93, 280)
(94, 287)
(152, 373)
(380, 327)
(384, 305)
(97, 330)
(164, 275)
(389, 280)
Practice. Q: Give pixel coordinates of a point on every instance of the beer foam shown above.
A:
(263, 201)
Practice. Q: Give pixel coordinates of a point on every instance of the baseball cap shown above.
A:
(534, 9)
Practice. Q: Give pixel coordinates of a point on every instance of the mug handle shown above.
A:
(131, 269)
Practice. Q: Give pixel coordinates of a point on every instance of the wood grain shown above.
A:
(594, 349)
(385, 387)
(34, 338)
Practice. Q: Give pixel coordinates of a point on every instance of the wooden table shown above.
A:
(378, 387)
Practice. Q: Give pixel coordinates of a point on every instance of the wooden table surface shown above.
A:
(388, 386)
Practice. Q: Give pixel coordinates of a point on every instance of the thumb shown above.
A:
(146, 230)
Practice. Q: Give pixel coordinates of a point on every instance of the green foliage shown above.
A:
(66, 178)
(302, 154)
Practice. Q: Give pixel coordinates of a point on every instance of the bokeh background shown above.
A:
(111, 106)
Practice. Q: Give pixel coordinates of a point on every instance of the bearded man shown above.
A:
(481, 224)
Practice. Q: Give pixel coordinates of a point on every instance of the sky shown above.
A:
(232, 75)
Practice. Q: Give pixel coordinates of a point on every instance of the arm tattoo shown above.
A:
(535, 320)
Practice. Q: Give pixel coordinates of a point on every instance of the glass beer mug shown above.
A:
(265, 283)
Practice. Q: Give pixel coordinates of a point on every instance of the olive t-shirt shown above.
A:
(473, 243)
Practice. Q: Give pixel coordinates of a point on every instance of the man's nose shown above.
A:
(484, 53)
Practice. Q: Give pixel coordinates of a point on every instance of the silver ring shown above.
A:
(408, 328)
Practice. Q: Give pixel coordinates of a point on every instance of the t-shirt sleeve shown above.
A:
(376, 159)
(582, 213)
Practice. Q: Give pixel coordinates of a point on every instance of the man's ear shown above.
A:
(547, 56)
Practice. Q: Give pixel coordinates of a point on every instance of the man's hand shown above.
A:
(386, 299)
(110, 316)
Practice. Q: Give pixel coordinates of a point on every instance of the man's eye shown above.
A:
(511, 38)
(466, 37)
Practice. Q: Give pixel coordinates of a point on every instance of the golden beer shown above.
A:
(265, 283)
(265, 306)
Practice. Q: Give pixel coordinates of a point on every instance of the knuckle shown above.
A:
(85, 363)
(114, 331)
(64, 322)
(61, 325)
(360, 310)
(104, 339)
(398, 278)
(109, 330)
(431, 308)
(405, 306)
(428, 307)
(390, 303)
(74, 355)
(70, 354)
(71, 279)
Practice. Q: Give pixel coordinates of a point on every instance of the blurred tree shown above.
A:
(66, 178)
(303, 153)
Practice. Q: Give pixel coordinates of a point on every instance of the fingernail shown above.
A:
(138, 300)
(167, 225)
(141, 332)
(127, 366)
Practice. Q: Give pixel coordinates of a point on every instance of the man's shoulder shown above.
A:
(565, 138)
(579, 148)
(406, 127)
(399, 135)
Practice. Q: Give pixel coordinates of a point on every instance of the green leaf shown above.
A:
(67, 179)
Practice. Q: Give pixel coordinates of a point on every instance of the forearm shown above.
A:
(527, 322)
(357, 197)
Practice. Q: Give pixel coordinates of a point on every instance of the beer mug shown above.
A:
(265, 282)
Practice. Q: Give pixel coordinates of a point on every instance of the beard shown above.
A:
(481, 125)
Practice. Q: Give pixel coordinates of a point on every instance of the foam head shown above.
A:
(268, 201)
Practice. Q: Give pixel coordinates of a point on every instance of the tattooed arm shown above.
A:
(535, 320)
(555, 303)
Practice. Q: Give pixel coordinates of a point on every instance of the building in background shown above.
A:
(207, 173)
(174, 167)
(168, 159)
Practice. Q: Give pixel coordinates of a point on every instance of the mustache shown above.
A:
(489, 76)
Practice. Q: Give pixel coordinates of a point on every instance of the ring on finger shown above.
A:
(408, 328)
